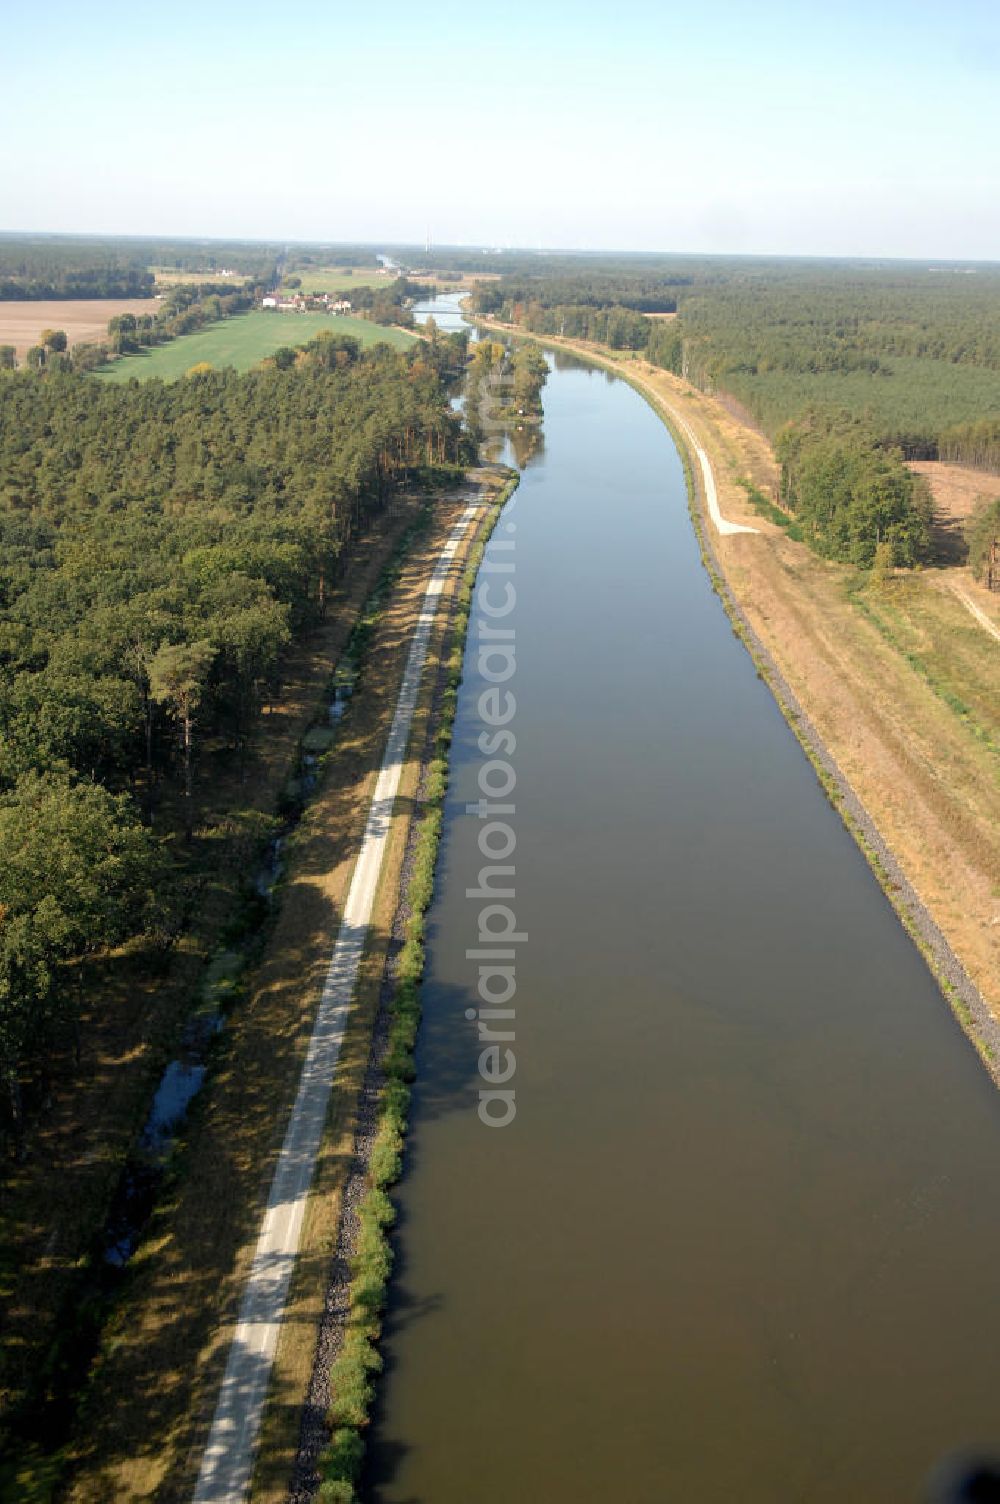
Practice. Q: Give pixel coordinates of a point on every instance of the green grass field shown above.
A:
(169, 276)
(243, 341)
(337, 278)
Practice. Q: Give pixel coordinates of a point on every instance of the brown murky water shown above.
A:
(741, 1241)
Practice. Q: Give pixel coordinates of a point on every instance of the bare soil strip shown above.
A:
(956, 489)
(84, 320)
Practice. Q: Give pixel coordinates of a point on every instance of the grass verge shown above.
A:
(353, 1372)
(766, 508)
(296, 1355)
(942, 643)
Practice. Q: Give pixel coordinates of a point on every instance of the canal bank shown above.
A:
(336, 1410)
(892, 847)
(151, 1401)
(735, 1242)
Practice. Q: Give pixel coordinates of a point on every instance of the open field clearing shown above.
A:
(988, 623)
(956, 488)
(452, 281)
(243, 341)
(942, 641)
(84, 320)
(172, 276)
(337, 278)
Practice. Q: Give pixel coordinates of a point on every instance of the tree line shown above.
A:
(983, 535)
(503, 386)
(913, 350)
(161, 546)
(850, 495)
(302, 257)
(47, 267)
(851, 369)
(62, 284)
(184, 309)
(641, 293)
(388, 303)
(976, 444)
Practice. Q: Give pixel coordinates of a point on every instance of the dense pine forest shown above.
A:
(80, 266)
(851, 369)
(161, 545)
(45, 267)
(916, 350)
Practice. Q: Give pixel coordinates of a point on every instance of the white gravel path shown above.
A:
(721, 524)
(228, 1459)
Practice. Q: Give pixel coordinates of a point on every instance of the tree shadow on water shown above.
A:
(447, 1053)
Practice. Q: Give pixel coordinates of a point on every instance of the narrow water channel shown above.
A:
(741, 1241)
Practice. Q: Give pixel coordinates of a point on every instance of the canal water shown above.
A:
(741, 1240)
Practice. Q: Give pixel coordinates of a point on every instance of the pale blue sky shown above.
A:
(851, 129)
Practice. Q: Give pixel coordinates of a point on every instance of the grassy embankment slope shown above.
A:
(900, 680)
(154, 1391)
(243, 341)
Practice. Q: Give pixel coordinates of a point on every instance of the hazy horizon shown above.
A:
(387, 245)
(867, 132)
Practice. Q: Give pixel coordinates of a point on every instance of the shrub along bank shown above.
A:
(352, 1375)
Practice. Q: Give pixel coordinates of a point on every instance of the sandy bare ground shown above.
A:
(956, 488)
(85, 320)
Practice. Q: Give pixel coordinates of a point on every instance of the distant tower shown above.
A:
(427, 242)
